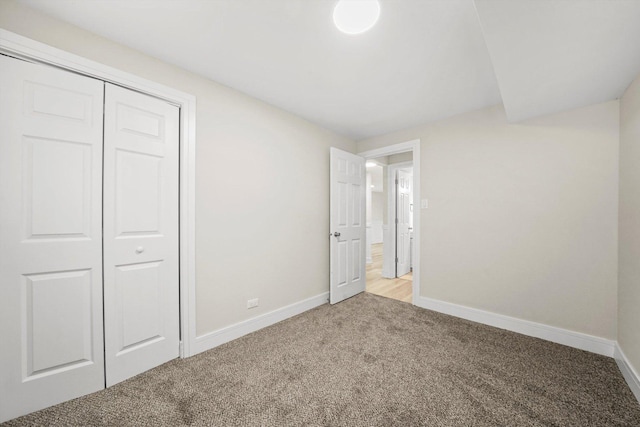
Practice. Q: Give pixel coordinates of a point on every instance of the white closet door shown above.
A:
(51, 342)
(140, 233)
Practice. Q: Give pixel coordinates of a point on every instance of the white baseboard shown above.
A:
(558, 335)
(538, 330)
(369, 260)
(229, 333)
(629, 374)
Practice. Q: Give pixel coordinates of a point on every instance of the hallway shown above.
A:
(399, 288)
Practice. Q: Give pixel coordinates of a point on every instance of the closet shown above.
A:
(89, 285)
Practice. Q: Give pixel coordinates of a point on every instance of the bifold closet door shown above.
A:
(51, 332)
(141, 287)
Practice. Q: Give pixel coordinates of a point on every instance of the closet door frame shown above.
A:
(15, 45)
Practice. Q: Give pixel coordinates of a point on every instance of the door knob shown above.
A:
(139, 249)
(336, 234)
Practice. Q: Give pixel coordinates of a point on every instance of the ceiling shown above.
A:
(423, 61)
(551, 56)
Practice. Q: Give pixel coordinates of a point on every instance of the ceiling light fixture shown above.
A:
(356, 16)
(370, 164)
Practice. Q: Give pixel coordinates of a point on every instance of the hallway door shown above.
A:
(403, 221)
(347, 225)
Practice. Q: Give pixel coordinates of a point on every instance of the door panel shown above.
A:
(347, 219)
(404, 223)
(140, 233)
(356, 253)
(51, 164)
(138, 287)
(138, 187)
(57, 309)
(51, 238)
(54, 103)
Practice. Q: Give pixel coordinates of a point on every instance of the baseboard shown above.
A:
(369, 260)
(229, 333)
(629, 374)
(538, 330)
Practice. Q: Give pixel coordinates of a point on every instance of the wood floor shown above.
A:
(399, 288)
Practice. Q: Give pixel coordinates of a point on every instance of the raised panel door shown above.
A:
(141, 285)
(50, 237)
(403, 214)
(347, 225)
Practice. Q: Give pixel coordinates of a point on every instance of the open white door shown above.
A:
(50, 237)
(403, 215)
(141, 287)
(347, 225)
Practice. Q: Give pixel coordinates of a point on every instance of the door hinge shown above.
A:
(396, 220)
(397, 260)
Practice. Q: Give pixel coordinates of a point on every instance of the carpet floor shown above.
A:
(368, 361)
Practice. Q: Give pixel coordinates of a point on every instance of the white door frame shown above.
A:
(414, 147)
(21, 47)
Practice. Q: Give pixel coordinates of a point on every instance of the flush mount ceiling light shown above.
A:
(370, 164)
(356, 16)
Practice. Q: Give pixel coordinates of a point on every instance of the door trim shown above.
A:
(33, 51)
(413, 146)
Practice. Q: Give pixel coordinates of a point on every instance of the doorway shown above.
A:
(389, 226)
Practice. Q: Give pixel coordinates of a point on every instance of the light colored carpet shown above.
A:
(368, 361)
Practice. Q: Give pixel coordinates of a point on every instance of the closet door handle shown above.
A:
(139, 249)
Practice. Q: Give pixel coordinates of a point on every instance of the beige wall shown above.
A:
(401, 157)
(262, 182)
(522, 218)
(377, 206)
(629, 226)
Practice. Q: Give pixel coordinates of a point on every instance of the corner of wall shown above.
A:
(628, 292)
(629, 374)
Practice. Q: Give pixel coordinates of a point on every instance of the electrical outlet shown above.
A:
(252, 303)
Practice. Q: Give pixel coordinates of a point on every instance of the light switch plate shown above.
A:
(424, 203)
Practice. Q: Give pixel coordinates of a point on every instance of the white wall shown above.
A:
(629, 226)
(522, 218)
(377, 214)
(368, 199)
(262, 182)
(369, 230)
(377, 206)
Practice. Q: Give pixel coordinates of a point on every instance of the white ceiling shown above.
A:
(551, 56)
(423, 61)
